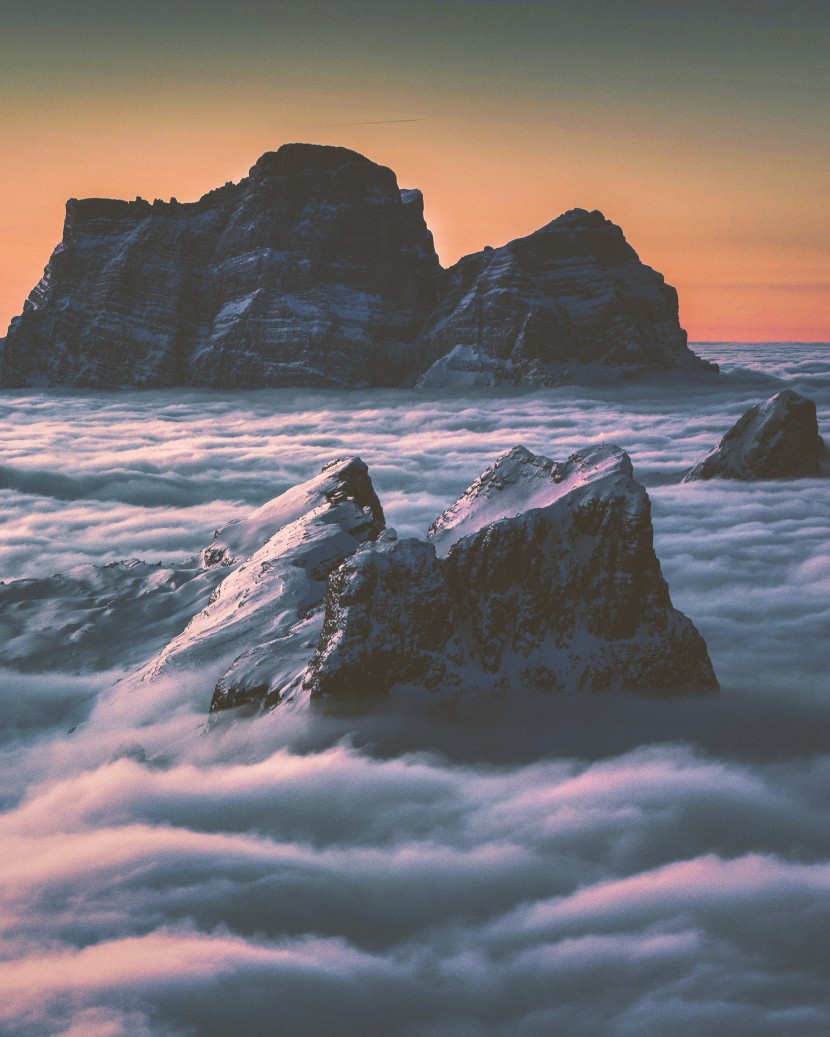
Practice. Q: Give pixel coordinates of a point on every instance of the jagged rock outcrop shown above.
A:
(776, 439)
(260, 580)
(542, 575)
(315, 270)
(259, 628)
(571, 301)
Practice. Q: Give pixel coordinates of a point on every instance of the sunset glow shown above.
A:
(700, 132)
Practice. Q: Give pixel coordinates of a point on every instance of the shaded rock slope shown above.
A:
(570, 302)
(775, 439)
(316, 270)
(541, 576)
(262, 621)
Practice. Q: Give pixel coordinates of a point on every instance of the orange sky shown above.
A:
(721, 185)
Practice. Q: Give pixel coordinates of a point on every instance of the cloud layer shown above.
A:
(602, 866)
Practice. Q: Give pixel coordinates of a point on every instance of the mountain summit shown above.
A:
(317, 270)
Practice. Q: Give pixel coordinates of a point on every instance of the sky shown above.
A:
(702, 129)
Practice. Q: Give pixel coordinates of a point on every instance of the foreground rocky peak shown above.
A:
(542, 575)
(775, 439)
(317, 270)
(314, 270)
(550, 582)
(255, 634)
(571, 301)
(344, 481)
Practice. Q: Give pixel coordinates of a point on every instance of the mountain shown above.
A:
(570, 302)
(775, 439)
(258, 629)
(542, 575)
(317, 270)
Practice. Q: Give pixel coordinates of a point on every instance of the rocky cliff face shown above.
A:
(550, 581)
(570, 302)
(776, 439)
(316, 270)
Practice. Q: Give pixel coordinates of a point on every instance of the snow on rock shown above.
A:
(257, 632)
(249, 597)
(542, 575)
(520, 480)
(550, 581)
(570, 302)
(776, 439)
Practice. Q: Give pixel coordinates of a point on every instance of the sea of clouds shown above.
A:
(609, 865)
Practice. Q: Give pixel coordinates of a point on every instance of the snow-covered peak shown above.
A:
(520, 481)
(338, 481)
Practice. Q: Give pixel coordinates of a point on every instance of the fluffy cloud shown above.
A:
(607, 865)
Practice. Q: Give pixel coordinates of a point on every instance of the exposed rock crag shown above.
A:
(316, 270)
(776, 439)
(571, 301)
(542, 575)
(550, 581)
(256, 633)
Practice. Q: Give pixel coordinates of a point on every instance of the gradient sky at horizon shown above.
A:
(702, 129)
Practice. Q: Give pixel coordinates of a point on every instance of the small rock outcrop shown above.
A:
(776, 439)
(315, 270)
(542, 575)
(571, 301)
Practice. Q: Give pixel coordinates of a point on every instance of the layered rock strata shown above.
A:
(775, 439)
(571, 301)
(315, 271)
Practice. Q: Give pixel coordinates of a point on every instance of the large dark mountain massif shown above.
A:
(317, 270)
(541, 577)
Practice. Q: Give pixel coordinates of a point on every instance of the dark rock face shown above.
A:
(402, 582)
(315, 270)
(776, 439)
(554, 584)
(571, 301)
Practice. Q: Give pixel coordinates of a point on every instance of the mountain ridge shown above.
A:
(317, 270)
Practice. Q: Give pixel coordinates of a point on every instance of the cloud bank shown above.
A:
(611, 865)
